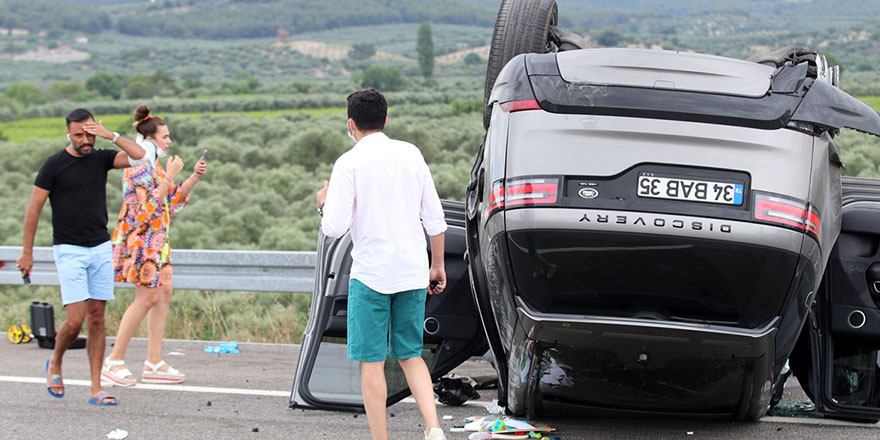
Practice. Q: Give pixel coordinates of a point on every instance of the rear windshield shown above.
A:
(653, 277)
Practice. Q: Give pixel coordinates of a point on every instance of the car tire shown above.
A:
(522, 26)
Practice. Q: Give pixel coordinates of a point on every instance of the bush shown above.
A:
(361, 51)
(140, 87)
(26, 94)
(608, 37)
(461, 107)
(7, 115)
(385, 79)
(65, 90)
(472, 59)
(107, 84)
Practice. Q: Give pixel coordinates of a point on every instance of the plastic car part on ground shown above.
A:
(226, 347)
(454, 391)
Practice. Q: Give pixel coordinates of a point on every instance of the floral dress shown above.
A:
(141, 251)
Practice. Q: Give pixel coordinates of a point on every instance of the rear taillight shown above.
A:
(790, 213)
(518, 106)
(523, 192)
(496, 199)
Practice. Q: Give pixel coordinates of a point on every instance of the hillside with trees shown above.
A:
(290, 63)
(259, 192)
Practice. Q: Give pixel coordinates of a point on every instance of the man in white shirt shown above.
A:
(382, 190)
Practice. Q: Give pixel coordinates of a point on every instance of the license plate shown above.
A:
(673, 188)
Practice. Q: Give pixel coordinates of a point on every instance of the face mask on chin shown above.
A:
(159, 152)
(351, 135)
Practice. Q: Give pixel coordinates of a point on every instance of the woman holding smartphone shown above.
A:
(141, 248)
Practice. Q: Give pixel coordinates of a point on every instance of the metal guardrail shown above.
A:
(254, 271)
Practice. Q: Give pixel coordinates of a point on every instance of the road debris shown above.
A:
(226, 347)
(455, 391)
(490, 427)
(117, 434)
(494, 408)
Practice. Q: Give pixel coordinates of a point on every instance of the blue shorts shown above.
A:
(382, 325)
(84, 272)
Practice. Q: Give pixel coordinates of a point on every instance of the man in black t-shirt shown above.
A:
(75, 181)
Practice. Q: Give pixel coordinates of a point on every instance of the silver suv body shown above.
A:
(648, 229)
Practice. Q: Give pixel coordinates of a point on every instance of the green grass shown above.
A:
(873, 101)
(22, 130)
(258, 114)
(194, 314)
(47, 128)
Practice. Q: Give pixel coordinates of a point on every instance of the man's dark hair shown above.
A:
(368, 109)
(79, 115)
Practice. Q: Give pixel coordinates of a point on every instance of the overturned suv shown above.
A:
(648, 230)
(644, 230)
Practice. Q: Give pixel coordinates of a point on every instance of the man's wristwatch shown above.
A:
(321, 209)
(115, 137)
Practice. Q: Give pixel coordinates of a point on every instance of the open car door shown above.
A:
(845, 333)
(326, 379)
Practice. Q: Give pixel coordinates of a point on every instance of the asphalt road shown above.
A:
(246, 396)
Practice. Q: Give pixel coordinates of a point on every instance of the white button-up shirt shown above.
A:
(382, 189)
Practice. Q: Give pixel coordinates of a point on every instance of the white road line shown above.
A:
(195, 389)
(410, 399)
(147, 386)
(274, 393)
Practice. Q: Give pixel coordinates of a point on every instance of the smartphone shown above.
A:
(204, 153)
(26, 278)
(434, 284)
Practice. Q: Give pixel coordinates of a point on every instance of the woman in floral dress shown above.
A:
(141, 249)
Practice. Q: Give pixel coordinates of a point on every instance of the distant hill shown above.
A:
(230, 19)
(847, 30)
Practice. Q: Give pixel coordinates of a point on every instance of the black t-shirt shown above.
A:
(78, 194)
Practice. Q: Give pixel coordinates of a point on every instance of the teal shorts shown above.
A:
(384, 325)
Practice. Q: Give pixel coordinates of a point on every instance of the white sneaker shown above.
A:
(153, 375)
(436, 434)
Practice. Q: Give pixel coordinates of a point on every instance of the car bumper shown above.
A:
(639, 364)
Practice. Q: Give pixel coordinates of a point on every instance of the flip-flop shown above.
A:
(101, 399)
(54, 381)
